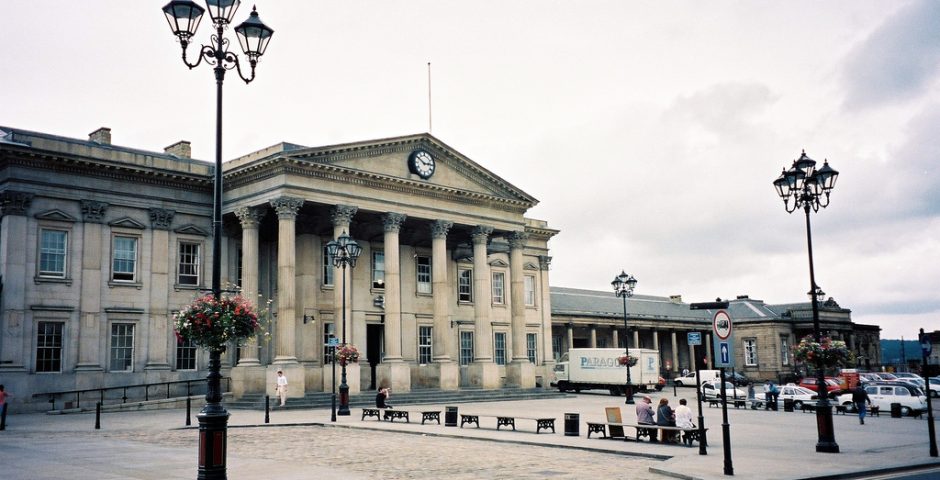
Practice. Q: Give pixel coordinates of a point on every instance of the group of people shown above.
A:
(665, 416)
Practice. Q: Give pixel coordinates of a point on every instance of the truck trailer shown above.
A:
(600, 369)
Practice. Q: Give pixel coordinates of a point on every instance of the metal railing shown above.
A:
(140, 392)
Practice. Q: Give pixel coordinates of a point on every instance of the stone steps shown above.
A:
(415, 397)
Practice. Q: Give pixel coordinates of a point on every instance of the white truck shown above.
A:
(599, 369)
(688, 380)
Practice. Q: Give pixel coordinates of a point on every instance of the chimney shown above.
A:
(102, 136)
(180, 149)
(743, 297)
(675, 298)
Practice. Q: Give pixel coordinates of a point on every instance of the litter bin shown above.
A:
(895, 410)
(787, 404)
(572, 424)
(450, 416)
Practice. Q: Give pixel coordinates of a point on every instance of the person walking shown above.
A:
(644, 411)
(861, 401)
(3, 407)
(281, 387)
(767, 395)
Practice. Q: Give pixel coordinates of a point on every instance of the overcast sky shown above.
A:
(650, 131)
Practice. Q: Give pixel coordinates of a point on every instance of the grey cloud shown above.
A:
(897, 61)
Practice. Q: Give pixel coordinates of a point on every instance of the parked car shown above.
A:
(737, 379)
(884, 394)
(934, 384)
(712, 390)
(910, 377)
(790, 391)
(810, 383)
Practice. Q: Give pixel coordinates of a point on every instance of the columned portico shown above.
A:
(483, 371)
(393, 371)
(520, 372)
(341, 216)
(286, 327)
(447, 369)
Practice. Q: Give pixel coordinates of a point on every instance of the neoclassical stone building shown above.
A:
(764, 335)
(101, 244)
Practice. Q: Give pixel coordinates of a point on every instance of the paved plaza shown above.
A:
(303, 444)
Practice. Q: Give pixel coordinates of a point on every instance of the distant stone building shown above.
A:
(764, 335)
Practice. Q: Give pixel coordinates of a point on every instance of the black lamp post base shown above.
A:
(213, 440)
(827, 440)
(629, 392)
(343, 400)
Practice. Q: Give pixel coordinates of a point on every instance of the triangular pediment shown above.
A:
(387, 161)
(191, 230)
(499, 263)
(127, 222)
(530, 266)
(55, 215)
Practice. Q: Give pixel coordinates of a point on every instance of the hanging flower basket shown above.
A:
(826, 353)
(626, 360)
(213, 323)
(347, 354)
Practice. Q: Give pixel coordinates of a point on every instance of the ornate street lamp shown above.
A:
(809, 189)
(253, 35)
(623, 287)
(343, 251)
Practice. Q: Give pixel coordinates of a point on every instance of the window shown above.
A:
(124, 259)
(530, 348)
(53, 245)
(327, 267)
(424, 345)
(466, 348)
(49, 347)
(529, 290)
(784, 351)
(122, 347)
(329, 331)
(424, 274)
(556, 347)
(186, 355)
(499, 339)
(378, 269)
(465, 286)
(750, 352)
(189, 264)
(499, 288)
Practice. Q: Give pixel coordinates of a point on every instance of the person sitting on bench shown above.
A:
(381, 398)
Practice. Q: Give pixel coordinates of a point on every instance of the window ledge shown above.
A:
(40, 280)
(179, 287)
(137, 285)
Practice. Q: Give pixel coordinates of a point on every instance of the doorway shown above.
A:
(375, 349)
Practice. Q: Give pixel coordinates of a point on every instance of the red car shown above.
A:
(831, 384)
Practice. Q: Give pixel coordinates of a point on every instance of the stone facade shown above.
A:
(100, 245)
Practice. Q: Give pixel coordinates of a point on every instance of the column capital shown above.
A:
(342, 215)
(286, 207)
(545, 261)
(517, 239)
(250, 217)
(161, 218)
(92, 211)
(481, 233)
(393, 221)
(15, 203)
(439, 228)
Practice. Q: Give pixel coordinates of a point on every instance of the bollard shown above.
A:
(189, 404)
(267, 409)
(675, 391)
(788, 404)
(98, 416)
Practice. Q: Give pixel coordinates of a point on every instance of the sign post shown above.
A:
(926, 348)
(724, 345)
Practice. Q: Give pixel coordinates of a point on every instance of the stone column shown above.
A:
(545, 306)
(691, 358)
(675, 352)
(341, 216)
(570, 336)
(94, 244)
(285, 356)
(593, 336)
(160, 272)
(393, 372)
(520, 372)
(14, 207)
(483, 371)
(447, 369)
(249, 375)
(615, 334)
(708, 349)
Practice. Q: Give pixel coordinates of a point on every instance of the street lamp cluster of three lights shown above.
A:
(343, 251)
(253, 35)
(809, 189)
(623, 287)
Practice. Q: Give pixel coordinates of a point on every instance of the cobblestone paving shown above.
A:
(393, 455)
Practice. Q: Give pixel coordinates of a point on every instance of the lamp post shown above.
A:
(343, 251)
(253, 36)
(810, 189)
(623, 287)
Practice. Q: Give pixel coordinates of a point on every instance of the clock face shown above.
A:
(421, 163)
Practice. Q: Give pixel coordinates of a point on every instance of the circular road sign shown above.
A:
(722, 324)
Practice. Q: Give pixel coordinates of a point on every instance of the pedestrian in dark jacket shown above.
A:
(861, 401)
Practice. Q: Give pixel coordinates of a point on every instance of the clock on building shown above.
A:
(421, 163)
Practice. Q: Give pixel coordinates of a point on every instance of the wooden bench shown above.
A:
(651, 432)
(737, 402)
(391, 414)
(507, 420)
